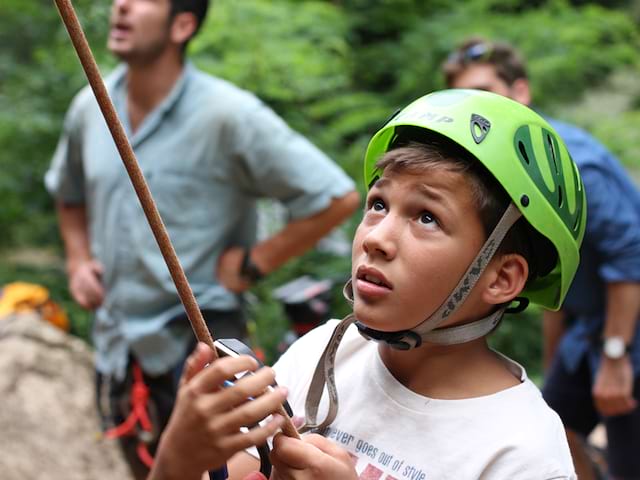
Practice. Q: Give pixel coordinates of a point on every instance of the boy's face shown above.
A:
(418, 236)
(139, 29)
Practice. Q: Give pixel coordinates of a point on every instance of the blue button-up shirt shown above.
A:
(611, 247)
(208, 152)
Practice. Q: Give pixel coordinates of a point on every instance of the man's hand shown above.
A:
(204, 428)
(85, 284)
(312, 458)
(228, 271)
(613, 387)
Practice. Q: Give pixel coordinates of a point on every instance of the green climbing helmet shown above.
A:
(523, 153)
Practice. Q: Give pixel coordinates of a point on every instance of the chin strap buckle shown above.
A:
(523, 303)
(402, 340)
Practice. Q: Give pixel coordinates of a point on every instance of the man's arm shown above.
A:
(553, 327)
(83, 271)
(613, 388)
(294, 239)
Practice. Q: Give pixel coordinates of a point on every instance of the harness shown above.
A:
(138, 422)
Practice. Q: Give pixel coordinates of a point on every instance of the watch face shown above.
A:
(614, 347)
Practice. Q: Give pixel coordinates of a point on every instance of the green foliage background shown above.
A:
(335, 70)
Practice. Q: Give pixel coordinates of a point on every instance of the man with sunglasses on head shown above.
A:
(592, 345)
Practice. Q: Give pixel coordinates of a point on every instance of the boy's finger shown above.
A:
(255, 436)
(251, 412)
(196, 362)
(327, 446)
(255, 476)
(293, 453)
(211, 378)
(297, 421)
(248, 386)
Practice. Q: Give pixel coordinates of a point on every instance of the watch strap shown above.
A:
(249, 270)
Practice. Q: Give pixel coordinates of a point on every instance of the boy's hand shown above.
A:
(204, 428)
(312, 458)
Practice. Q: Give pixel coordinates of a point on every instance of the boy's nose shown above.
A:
(382, 239)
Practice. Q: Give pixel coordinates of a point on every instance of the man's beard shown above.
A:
(143, 57)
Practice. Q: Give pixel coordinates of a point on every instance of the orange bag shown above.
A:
(23, 297)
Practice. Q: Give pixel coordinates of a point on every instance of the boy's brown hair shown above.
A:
(506, 60)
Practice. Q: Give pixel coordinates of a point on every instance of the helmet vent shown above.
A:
(523, 152)
(553, 153)
(576, 223)
(560, 199)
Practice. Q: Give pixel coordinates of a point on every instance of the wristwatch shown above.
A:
(249, 270)
(614, 348)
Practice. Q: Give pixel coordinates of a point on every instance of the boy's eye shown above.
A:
(426, 218)
(378, 205)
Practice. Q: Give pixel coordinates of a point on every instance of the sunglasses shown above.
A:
(473, 53)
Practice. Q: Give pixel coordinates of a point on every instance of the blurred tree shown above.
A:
(335, 70)
(38, 74)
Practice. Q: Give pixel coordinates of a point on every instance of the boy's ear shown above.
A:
(507, 278)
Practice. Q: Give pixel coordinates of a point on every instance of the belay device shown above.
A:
(231, 347)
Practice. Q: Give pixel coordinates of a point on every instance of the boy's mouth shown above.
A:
(371, 275)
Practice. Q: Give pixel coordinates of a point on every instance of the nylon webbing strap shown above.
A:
(324, 374)
(467, 332)
(473, 273)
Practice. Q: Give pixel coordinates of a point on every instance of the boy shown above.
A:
(592, 345)
(473, 203)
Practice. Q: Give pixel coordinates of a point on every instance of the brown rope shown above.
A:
(71, 22)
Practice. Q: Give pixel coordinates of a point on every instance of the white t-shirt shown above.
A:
(397, 434)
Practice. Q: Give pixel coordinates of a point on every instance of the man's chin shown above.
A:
(118, 50)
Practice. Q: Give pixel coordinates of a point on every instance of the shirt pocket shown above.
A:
(182, 199)
(200, 212)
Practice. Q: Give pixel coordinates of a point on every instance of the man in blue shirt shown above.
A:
(595, 338)
(209, 151)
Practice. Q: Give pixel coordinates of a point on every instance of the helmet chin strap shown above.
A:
(324, 373)
(426, 331)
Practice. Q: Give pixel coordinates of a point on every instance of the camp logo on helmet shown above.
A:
(480, 126)
(418, 116)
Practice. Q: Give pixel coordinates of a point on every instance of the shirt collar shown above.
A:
(154, 118)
